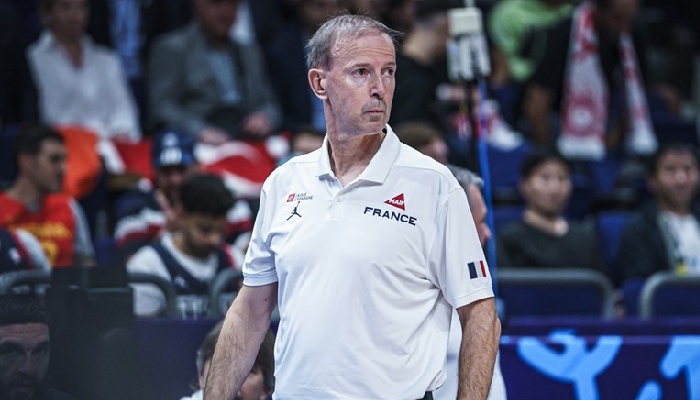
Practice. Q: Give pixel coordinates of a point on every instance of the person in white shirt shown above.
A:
(77, 81)
(366, 246)
(191, 256)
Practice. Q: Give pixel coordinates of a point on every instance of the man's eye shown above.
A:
(361, 72)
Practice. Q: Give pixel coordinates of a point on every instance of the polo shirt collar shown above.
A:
(378, 168)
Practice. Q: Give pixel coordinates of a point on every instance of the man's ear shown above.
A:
(317, 81)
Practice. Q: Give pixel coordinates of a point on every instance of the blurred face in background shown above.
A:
(170, 178)
(46, 170)
(547, 189)
(675, 182)
(202, 234)
(437, 149)
(67, 19)
(216, 17)
(24, 359)
(253, 387)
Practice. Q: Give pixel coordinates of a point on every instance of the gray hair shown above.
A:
(339, 30)
(466, 178)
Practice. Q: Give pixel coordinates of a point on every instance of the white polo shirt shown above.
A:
(368, 274)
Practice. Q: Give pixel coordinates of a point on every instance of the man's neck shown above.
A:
(676, 209)
(554, 224)
(180, 245)
(350, 155)
(25, 193)
(72, 47)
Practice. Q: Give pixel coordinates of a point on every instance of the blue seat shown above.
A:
(504, 170)
(668, 295)
(555, 292)
(631, 291)
(609, 225)
(506, 215)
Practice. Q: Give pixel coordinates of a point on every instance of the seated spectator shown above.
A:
(512, 23)
(21, 251)
(25, 349)
(664, 235)
(34, 203)
(78, 82)
(211, 87)
(259, 384)
(544, 238)
(150, 212)
(591, 72)
(191, 256)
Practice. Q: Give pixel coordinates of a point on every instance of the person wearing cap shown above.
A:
(35, 202)
(145, 214)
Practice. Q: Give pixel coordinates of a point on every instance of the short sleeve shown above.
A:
(457, 263)
(259, 265)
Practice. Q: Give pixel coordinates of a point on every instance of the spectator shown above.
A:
(149, 213)
(286, 64)
(544, 238)
(592, 72)
(191, 256)
(664, 235)
(259, 384)
(512, 23)
(25, 350)
(21, 251)
(34, 203)
(78, 82)
(211, 87)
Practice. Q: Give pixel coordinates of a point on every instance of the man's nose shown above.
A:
(378, 87)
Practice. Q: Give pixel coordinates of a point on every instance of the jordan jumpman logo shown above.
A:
(294, 212)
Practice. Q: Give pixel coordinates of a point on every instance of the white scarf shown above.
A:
(586, 97)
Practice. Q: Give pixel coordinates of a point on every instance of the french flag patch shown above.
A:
(477, 271)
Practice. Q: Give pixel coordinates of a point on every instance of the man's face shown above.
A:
(216, 17)
(359, 84)
(46, 169)
(676, 179)
(479, 211)
(68, 18)
(203, 234)
(253, 387)
(316, 12)
(547, 189)
(24, 359)
(170, 178)
(617, 18)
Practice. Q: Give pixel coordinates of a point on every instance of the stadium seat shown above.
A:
(609, 225)
(504, 169)
(555, 292)
(668, 295)
(161, 283)
(106, 254)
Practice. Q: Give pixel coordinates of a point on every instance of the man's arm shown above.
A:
(481, 333)
(247, 321)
